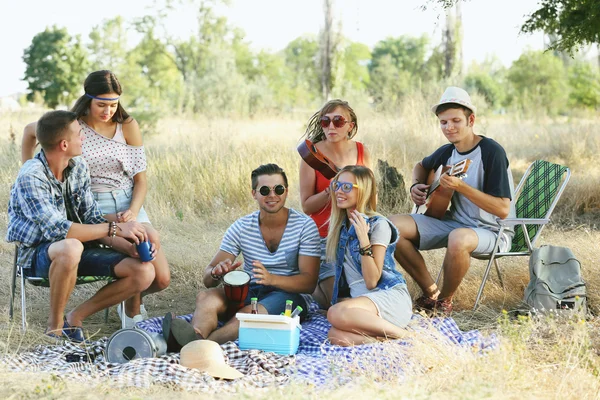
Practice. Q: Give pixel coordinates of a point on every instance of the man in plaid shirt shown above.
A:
(56, 222)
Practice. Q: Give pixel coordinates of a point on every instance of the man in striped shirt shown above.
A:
(281, 251)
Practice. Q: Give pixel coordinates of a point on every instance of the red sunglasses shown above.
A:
(338, 121)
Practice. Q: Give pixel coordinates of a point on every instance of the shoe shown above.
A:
(177, 333)
(431, 307)
(425, 303)
(129, 321)
(443, 306)
(73, 333)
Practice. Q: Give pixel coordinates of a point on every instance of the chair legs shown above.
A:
(13, 288)
(23, 305)
(499, 273)
(484, 280)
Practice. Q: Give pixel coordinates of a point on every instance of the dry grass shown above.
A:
(199, 183)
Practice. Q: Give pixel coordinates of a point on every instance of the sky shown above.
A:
(491, 27)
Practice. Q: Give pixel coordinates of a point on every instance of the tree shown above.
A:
(539, 81)
(57, 64)
(584, 81)
(575, 22)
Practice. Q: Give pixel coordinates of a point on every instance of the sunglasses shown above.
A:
(338, 121)
(345, 186)
(278, 189)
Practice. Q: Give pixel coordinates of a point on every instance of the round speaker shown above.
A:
(128, 344)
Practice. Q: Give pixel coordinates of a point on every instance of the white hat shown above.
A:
(207, 356)
(456, 95)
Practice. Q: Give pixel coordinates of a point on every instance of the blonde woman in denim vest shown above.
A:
(361, 244)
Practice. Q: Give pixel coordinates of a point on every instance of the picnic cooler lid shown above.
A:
(266, 321)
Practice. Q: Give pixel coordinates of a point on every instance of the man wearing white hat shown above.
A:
(469, 227)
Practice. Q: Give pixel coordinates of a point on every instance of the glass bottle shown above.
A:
(288, 308)
(254, 305)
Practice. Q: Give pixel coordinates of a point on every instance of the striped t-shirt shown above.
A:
(300, 238)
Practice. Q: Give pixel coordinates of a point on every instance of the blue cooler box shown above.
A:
(275, 333)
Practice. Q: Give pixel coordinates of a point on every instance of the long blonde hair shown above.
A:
(366, 203)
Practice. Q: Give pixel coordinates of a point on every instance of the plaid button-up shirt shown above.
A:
(42, 209)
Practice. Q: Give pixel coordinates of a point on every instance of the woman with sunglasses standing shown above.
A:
(114, 151)
(361, 245)
(331, 129)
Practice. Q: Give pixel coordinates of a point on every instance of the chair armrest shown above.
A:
(518, 221)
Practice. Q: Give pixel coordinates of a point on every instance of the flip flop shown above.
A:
(184, 332)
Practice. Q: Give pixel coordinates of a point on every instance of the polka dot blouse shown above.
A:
(112, 162)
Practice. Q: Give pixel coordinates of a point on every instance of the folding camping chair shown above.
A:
(536, 196)
(44, 282)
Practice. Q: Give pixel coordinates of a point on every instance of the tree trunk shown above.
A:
(327, 50)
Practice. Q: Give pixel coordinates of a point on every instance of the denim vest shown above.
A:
(390, 277)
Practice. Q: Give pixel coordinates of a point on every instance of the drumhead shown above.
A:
(236, 278)
(128, 344)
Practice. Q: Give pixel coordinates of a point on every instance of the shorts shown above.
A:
(95, 261)
(118, 200)
(274, 299)
(327, 269)
(434, 235)
(394, 304)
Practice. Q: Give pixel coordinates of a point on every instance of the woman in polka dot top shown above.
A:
(114, 151)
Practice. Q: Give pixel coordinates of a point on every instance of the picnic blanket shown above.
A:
(317, 361)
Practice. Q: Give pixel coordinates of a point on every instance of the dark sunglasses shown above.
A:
(345, 186)
(338, 121)
(278, 189)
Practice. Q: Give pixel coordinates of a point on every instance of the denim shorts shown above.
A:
(95, 261)
(118, 200)
(274, 299)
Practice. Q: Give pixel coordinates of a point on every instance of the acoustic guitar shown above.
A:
(317, 160)
(438, 198)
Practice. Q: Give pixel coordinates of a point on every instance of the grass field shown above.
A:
(199, 183)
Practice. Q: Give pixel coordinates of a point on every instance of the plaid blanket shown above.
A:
(317, 361)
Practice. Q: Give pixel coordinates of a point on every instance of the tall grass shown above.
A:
(199, 183)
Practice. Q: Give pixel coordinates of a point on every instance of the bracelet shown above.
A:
(366, 251)
(213, 276)
(112, 232)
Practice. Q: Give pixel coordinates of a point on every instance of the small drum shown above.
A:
(128, 344)
(236, 285)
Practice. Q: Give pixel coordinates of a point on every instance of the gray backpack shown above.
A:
(555, 281)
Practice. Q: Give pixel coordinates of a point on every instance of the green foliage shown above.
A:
(302, 58)
(57, 64)
(489, 80)
(584, 80)
(576, 22)
(539, 81)
(399, 66)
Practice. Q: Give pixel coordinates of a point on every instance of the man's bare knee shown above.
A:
(68, 251)
(462, 239)
(213, 297)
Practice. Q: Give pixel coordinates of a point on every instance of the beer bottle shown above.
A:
(296, 312)
(288, 308)
(254, 305)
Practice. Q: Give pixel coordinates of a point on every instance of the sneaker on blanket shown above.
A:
(129, 321)
(68, 332)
